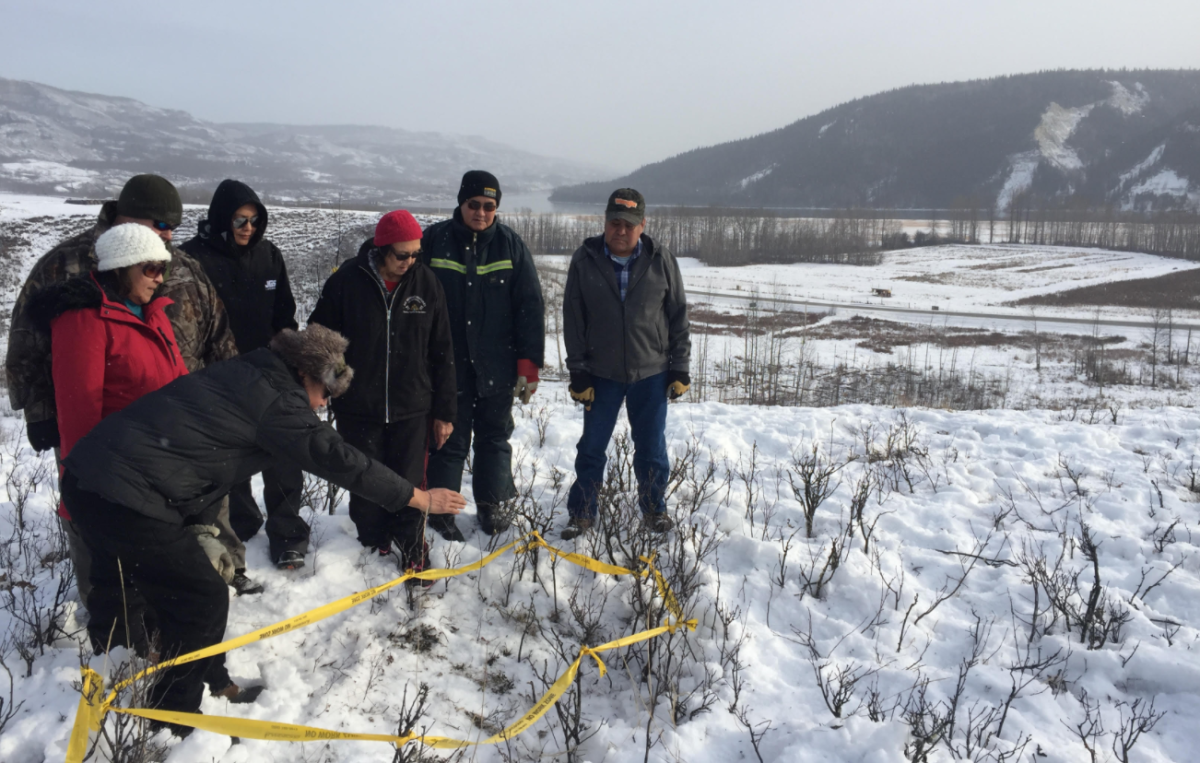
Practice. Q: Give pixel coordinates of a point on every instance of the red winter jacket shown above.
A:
(103, 356)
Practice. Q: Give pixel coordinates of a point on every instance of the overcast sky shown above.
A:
(616, 84)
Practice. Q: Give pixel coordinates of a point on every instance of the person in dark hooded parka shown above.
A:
(251, 278)
(144, 485)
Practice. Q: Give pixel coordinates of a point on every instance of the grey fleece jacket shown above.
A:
(628, 341)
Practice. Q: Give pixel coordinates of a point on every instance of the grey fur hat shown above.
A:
(318, 353)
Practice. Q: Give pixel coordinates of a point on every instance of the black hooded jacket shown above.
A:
(494, 298)
(251, 280)
(400, 347)
(175, 452)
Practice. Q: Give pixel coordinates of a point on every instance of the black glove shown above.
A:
(678, 382)
(43, 435)
(582, 389)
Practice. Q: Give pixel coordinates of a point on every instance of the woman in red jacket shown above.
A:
(111, 343)
(111, 340)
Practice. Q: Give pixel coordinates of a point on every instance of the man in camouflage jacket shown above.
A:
(197, 317)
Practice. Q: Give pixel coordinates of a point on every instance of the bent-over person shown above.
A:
(144, 479)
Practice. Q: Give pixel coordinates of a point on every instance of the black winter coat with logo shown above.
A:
(174, 453)
(400, 346)
(251, 280)
(494, 298)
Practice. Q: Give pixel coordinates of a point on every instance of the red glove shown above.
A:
(527, 380)
(527, 369)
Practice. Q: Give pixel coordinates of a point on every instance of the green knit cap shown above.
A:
(151, 197)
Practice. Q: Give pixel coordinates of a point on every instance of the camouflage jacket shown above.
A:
(198, 318)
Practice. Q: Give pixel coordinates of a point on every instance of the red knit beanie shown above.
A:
(396, 227)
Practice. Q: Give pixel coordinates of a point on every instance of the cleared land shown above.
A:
(1175, 291)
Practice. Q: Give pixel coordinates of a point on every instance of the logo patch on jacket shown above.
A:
(414, 305)
(271, 285)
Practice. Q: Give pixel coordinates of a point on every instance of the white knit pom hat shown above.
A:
(130, 244)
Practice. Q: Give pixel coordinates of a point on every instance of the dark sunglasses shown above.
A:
(404, 257)
(160, 225)
(475, 206)
(156, 269)
(241, 222)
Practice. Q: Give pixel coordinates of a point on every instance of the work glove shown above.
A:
(43, 435)
(527, 380)
(206, 536)
(678, 382)
(582, 390)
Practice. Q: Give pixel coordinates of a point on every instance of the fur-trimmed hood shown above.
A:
(318, 353)
(78, 293)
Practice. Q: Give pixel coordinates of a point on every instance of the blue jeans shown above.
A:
(646, 405)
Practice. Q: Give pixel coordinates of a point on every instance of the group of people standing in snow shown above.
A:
(166, 377)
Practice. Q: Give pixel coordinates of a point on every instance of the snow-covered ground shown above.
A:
(965, 512)
(993, 493)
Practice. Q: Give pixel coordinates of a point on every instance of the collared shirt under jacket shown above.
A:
(625, 341)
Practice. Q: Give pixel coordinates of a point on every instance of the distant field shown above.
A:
(1174, 291)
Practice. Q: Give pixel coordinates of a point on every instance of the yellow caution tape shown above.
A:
(92, 709)
(588, 563)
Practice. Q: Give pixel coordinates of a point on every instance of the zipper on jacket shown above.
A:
(168, 341)
(387, 348)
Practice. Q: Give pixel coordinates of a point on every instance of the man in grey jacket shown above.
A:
(626, 331)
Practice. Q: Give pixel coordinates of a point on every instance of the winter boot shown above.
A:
(239, 696)
(576, 526)
(244, 585)
(290, 560)
(445, 526)
(417, 563)
(657, 522)
(493, 519)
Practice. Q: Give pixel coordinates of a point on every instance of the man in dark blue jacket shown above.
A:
(497, 321)
(251, 278)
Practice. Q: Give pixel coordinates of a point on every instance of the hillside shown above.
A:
(58, 141)
(1130, 139)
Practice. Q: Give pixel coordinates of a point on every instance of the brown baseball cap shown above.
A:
(626, 204)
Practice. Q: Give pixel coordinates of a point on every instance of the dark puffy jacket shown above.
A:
(625, 342)
(400, 347)
(173, 454)
(251, 280)
(494, 300)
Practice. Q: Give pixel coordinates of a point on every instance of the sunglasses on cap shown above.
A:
(242, 222)
(160, 225)
(486, 206)
(404, 257)
(156, 269)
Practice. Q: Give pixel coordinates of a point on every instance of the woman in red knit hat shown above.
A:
(392, 309)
